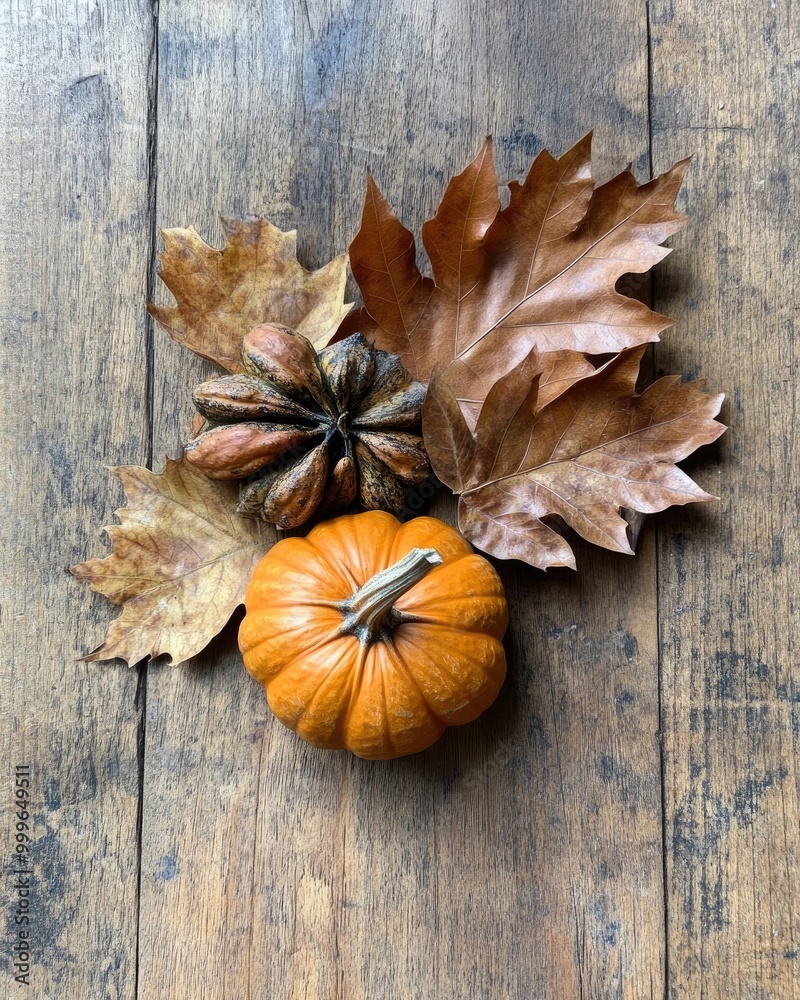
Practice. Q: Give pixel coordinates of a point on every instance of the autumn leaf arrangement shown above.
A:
(511, 372)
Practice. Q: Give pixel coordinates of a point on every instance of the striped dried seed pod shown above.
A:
(319, 431)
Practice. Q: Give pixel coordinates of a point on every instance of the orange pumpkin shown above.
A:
(373, 635)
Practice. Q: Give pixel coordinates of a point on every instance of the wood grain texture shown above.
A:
(74, 226)
(520, 856)
(725, 88)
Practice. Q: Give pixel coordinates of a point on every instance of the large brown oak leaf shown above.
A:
(540, 273)
(594, 449)
(181, 563)
(256, 278)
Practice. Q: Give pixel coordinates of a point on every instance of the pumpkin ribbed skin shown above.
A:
(438, 662)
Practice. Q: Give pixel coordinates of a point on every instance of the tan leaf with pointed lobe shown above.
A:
(256, 278)
(596, 448)
(181, 563)
(557, 371)
(383, 261)
(540, 273)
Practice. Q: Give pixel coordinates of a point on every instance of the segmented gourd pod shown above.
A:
(318, 431)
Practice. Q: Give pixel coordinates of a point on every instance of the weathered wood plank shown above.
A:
(74, 227)
(521, 856)
(224, 147)
(725, 88)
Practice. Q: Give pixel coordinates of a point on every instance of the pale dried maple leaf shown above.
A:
(596, 448)
(181, 563)
(256, 278)
(540, 273)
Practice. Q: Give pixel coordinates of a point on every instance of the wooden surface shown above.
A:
(624, 822)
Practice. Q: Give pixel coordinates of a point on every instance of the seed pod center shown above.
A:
(321, 429)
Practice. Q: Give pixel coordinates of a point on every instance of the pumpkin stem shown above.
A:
(366, 612)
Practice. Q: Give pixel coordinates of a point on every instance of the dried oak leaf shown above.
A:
(256, 278)
(180, 566)
(598, 447)
(540, 273)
